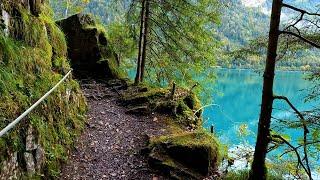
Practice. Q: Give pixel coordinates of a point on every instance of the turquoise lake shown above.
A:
(237, 99)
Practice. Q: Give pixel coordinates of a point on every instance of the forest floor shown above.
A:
(111, 143)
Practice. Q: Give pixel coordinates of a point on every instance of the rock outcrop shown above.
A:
(184, 155)
(88, 47)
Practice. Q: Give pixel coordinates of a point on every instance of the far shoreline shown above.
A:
(256, 69)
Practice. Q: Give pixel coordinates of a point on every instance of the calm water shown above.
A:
(237, 97)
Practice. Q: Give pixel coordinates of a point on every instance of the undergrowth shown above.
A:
(32, 61)
(244, 175)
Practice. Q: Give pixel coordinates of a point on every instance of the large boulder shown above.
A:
(88, 48)
(190, 155)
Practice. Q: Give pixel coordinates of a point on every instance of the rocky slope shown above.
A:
(32, 60)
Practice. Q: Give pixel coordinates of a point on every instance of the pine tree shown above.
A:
(176, 38)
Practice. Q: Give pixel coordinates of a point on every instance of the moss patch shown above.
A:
(188, 154)
(183, 107)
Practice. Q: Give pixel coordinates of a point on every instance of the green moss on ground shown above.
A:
(137, 95)
(32, 61)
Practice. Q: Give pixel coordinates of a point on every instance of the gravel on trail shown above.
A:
(111, 143)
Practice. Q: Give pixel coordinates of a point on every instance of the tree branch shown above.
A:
(296, 152)
(301, 38)
(305, 131)
(299, 10)
(291, 105)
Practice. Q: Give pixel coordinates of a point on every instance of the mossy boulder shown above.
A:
(142, 95)
(184, 107)
(193, 102)
(190, 155)
(88, 47)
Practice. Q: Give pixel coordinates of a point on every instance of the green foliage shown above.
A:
(293, 55)
(244, 34)
(109, 11)
(314, 91)
(240, 24)
(244, 175)
(121, 41)
(181, 41)
(243, 130)
(312, 118)
(32, 61)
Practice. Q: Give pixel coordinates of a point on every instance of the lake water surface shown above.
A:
(237, 96)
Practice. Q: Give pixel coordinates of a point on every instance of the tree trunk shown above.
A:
(258, 169)
(145, 37)
(137, 79)
(142, 41)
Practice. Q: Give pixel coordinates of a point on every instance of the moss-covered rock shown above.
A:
(184, 107)
(32, 60)
(185, 155)
(88, 47)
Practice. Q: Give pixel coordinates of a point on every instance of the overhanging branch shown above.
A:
(301, 38)
(290, 104)
(299, 10)
(300, 161)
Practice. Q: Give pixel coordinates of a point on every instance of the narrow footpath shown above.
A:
(111, 143)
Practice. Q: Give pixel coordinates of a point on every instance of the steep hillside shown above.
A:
(32, 60)
(244, 21)
(239, 24)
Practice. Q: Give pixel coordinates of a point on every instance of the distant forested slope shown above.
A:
(239, 24)
(242, 23)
